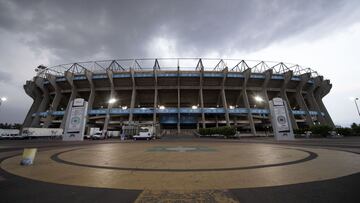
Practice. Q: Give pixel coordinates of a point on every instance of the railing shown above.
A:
(120, 111)
(174, 64)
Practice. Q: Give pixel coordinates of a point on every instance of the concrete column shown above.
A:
(112, 95)
(70, 79)
(268, 73)
(89, 76)
(223, 98)
(287, 78)
(300, 99)
(178, 106)
(133, 96)
(322, 91)
(317, 82)
(243, 93)
(31, 90)
(202, 97)
(56, 101)
(39, 82)
(155, 97)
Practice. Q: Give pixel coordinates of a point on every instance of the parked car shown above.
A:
(98, 136)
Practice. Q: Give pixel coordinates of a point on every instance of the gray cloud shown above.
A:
(79, 30)
(5, 77)
(68, 31)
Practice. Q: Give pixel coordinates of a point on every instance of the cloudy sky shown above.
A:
(322, 34)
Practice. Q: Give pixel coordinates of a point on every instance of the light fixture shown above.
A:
(258, 99)
(112, 100)
(194, 107)
(3, 99)
(124, 107)
(231, 107)
(353, 98)
(161, 107)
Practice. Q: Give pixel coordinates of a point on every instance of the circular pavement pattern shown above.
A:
(185, 165)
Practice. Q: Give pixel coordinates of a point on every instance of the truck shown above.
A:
(41, 132)
(145, 132)
(10, 134)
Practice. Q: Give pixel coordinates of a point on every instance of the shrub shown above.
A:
(322, 130)
(355, 128)
(300, 131)
(344, 131)
(226, 131)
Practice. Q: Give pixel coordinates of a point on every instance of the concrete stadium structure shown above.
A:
(178, 93)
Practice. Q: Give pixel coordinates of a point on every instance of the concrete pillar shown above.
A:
(322, 91)
(300, 99)
(70, 79)
(287, 78)
(110, 105)
(311, 98)
(89, 76)
(133, 96)
(56, 101)
(33, 91)
(155, 97)
(243, 93)
(202, 97)
(268, 73)
(223, 98)
(39, 82)
(178, 106)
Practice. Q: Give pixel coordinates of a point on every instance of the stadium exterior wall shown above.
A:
(162, 91)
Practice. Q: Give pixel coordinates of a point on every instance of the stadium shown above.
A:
(178, 94)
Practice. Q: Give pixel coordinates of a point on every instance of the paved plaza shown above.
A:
(190, 170)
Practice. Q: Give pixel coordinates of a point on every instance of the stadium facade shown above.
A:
(177, 93)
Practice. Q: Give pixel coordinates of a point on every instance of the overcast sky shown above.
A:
(322, 34)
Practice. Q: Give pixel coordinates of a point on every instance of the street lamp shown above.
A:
(112, 100)
(258, 99)
(357, 107)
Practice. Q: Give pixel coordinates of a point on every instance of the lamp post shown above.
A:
(357, 107)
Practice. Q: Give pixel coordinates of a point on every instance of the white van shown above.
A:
(145, 133)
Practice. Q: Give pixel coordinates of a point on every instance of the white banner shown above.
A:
(281, 118)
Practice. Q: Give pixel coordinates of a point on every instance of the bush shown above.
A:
(344, 131)
(355, 129)
(322, 130)
(300, 131)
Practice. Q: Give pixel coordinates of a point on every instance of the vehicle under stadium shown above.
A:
(177, 94)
